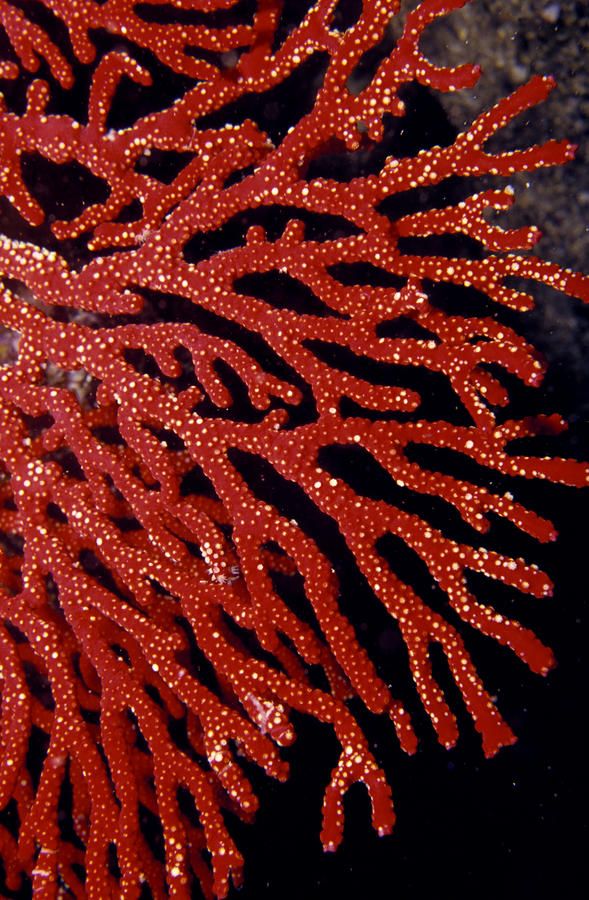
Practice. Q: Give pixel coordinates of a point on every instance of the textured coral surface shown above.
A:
(239, 346)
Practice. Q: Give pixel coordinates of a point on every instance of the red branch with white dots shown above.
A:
(111, 570)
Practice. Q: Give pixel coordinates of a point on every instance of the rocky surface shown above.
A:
(513, 40)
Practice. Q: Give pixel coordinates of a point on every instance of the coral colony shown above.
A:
(183, 357)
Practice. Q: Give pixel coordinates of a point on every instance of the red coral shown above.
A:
(179, 355)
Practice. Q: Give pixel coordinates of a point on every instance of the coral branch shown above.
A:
(198, 367)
